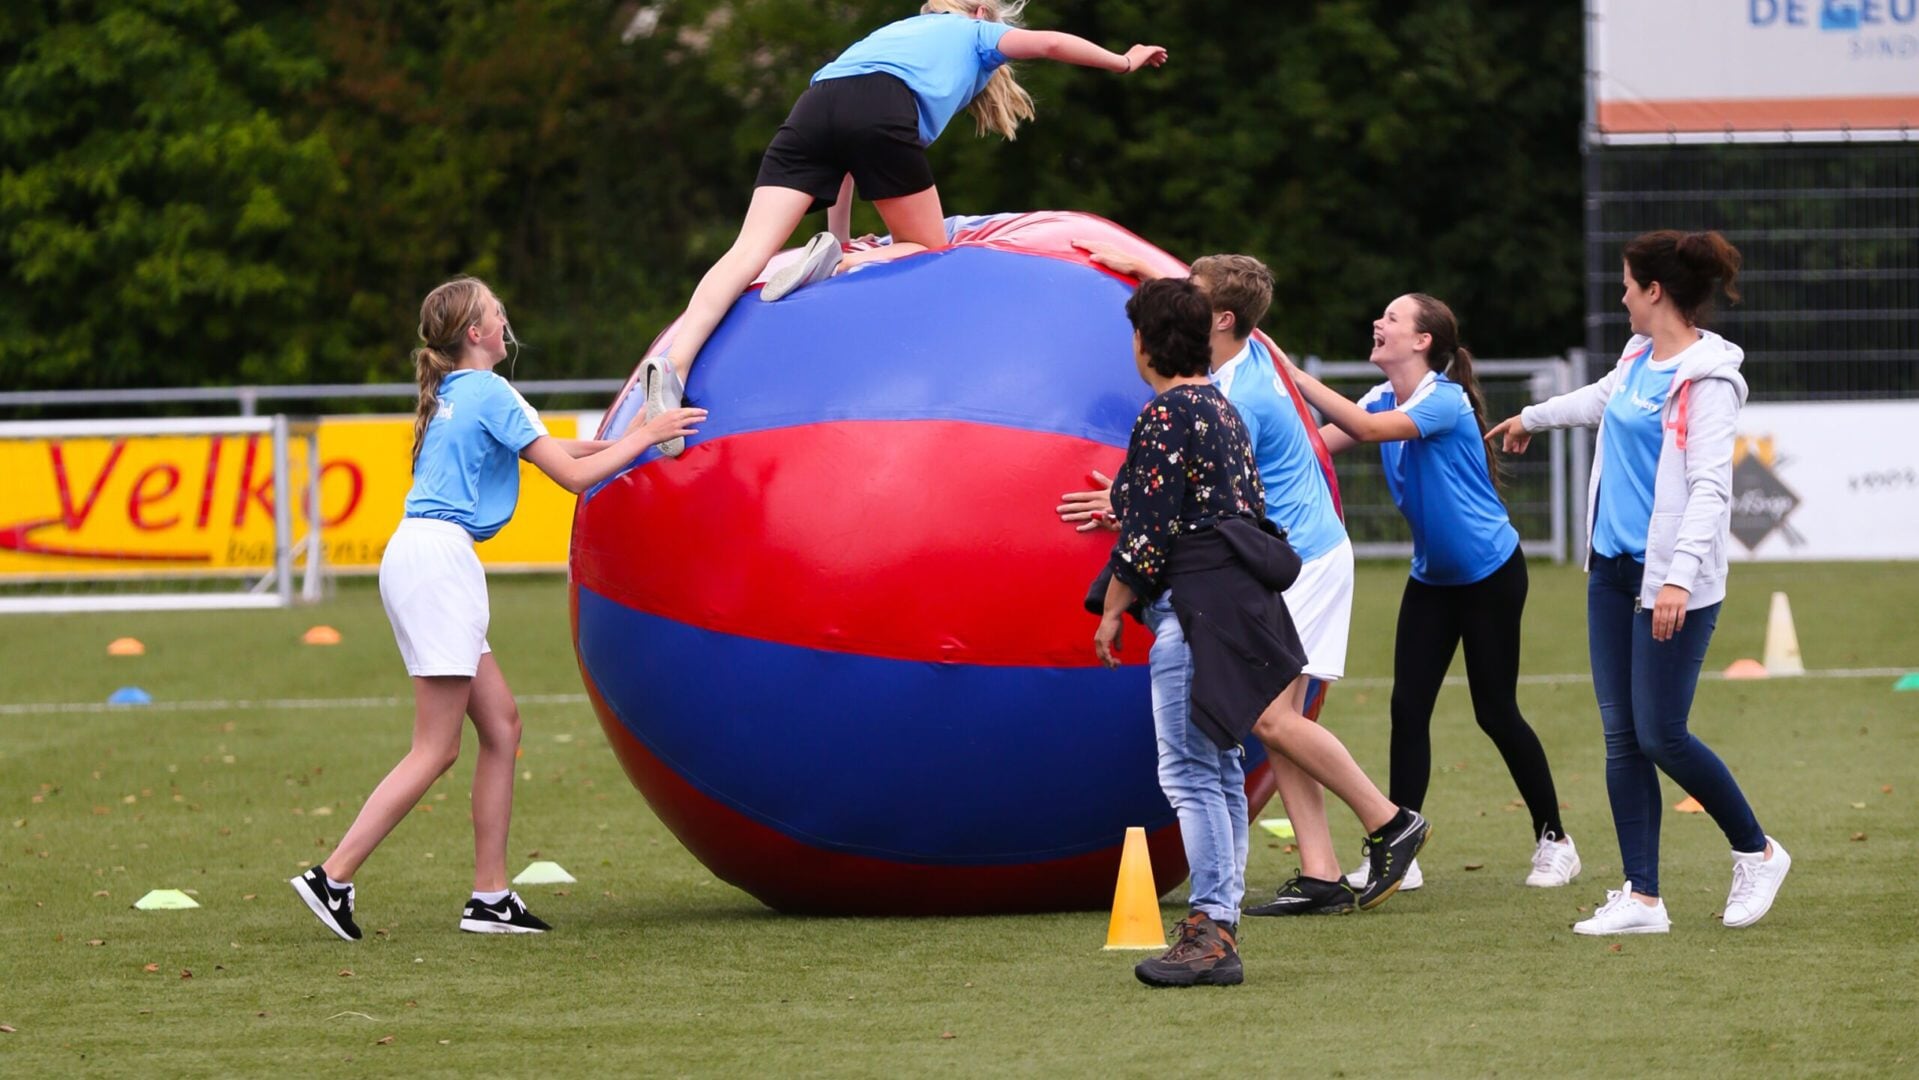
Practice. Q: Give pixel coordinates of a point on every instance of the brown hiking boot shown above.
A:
(1204, 955)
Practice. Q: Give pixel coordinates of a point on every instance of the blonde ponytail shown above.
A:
(1004, 104)
(430, 366)
(445, 315)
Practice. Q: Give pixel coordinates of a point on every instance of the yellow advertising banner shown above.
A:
(105, 507)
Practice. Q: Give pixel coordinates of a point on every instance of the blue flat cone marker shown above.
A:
(165, 900)
(544, 873)
(1278, 826)
(129, 695)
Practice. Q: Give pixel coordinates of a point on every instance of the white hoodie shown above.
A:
(1692, 492)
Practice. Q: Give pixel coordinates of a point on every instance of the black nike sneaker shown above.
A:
(1390, 853)
(509, 916)
(1302, 895)
(333, 907)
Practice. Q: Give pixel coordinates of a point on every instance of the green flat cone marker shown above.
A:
(1278, 826)
(1908, 681)
(165, 900)
(544, 873)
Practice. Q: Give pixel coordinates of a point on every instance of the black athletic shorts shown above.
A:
(867, 125)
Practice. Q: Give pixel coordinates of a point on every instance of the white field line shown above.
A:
(40, 708)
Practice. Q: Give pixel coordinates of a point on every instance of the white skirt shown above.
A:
(434, 590)
(1321, 604)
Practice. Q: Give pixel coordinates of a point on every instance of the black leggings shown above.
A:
(1433, 620)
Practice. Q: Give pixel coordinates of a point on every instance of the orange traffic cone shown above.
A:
(1135, 923)
(321, 635)
(1746, 668)
(126, 646)
(1689, 805)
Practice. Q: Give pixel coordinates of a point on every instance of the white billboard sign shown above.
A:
(1826, 481)
(1757, 70)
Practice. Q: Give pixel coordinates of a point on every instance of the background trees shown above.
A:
(208, 191)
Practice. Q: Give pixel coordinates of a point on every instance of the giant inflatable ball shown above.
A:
(838, 645)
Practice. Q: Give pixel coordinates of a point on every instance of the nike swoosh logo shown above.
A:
(503, 913)
(333, 903)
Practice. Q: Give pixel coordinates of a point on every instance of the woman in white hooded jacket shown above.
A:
(1659, 509)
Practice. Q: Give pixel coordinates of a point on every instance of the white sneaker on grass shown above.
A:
(1622, 914)
(1755, 881)
(1555, 862)
(816, 263)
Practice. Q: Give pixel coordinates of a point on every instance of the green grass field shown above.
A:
(656, 968)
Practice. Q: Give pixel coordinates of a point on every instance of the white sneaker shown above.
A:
(1621, 914)
(816, 263)
(1363, 876)
(1555, 862)
(1755, 881)
(660, 381)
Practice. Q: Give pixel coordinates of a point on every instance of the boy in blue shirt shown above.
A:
(1298, 501)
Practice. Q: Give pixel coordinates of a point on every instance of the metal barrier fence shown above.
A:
(246, 399)
(1534, 486)
(1830, 238)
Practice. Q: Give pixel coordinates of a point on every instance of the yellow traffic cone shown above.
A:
(1135, 923)
(1782, 641)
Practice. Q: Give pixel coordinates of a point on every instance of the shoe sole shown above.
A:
(482, 926)
(1286, 913)
(1666, 929)
(655, 405)
(1388, 894)
(318, 907)
(791, 278)
(1216, 977)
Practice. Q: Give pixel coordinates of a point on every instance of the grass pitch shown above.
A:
(658, 969)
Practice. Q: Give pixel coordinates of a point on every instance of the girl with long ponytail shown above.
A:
(1468, 583)
(470, 432)
(865, 123)
(1660, 522)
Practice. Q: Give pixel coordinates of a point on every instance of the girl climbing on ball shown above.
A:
(470, 433)
(865, 122)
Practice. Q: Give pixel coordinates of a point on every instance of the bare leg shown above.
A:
(1321, 755)
(496, 717)
(771, 217)
(917, 223)
(1305, 803)
(839, 216)
(438, 704)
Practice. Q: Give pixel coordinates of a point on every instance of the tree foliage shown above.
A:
(197, 191)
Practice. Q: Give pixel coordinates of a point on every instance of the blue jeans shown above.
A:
(1645, 690)
(1206, 785)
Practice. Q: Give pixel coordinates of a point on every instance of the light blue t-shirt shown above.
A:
(1461, 533)
(944, 59)
(1297, 496)
(469, 467)
(1633, 433)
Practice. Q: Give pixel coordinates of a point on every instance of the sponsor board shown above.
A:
(1763, 68)
(203, 504)
(1826, 481)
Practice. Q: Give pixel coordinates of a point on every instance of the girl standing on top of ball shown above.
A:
(866, 121)
(470, 432)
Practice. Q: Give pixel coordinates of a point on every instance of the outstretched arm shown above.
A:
(1073, 49)
(1358, 424)
(576, 474)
